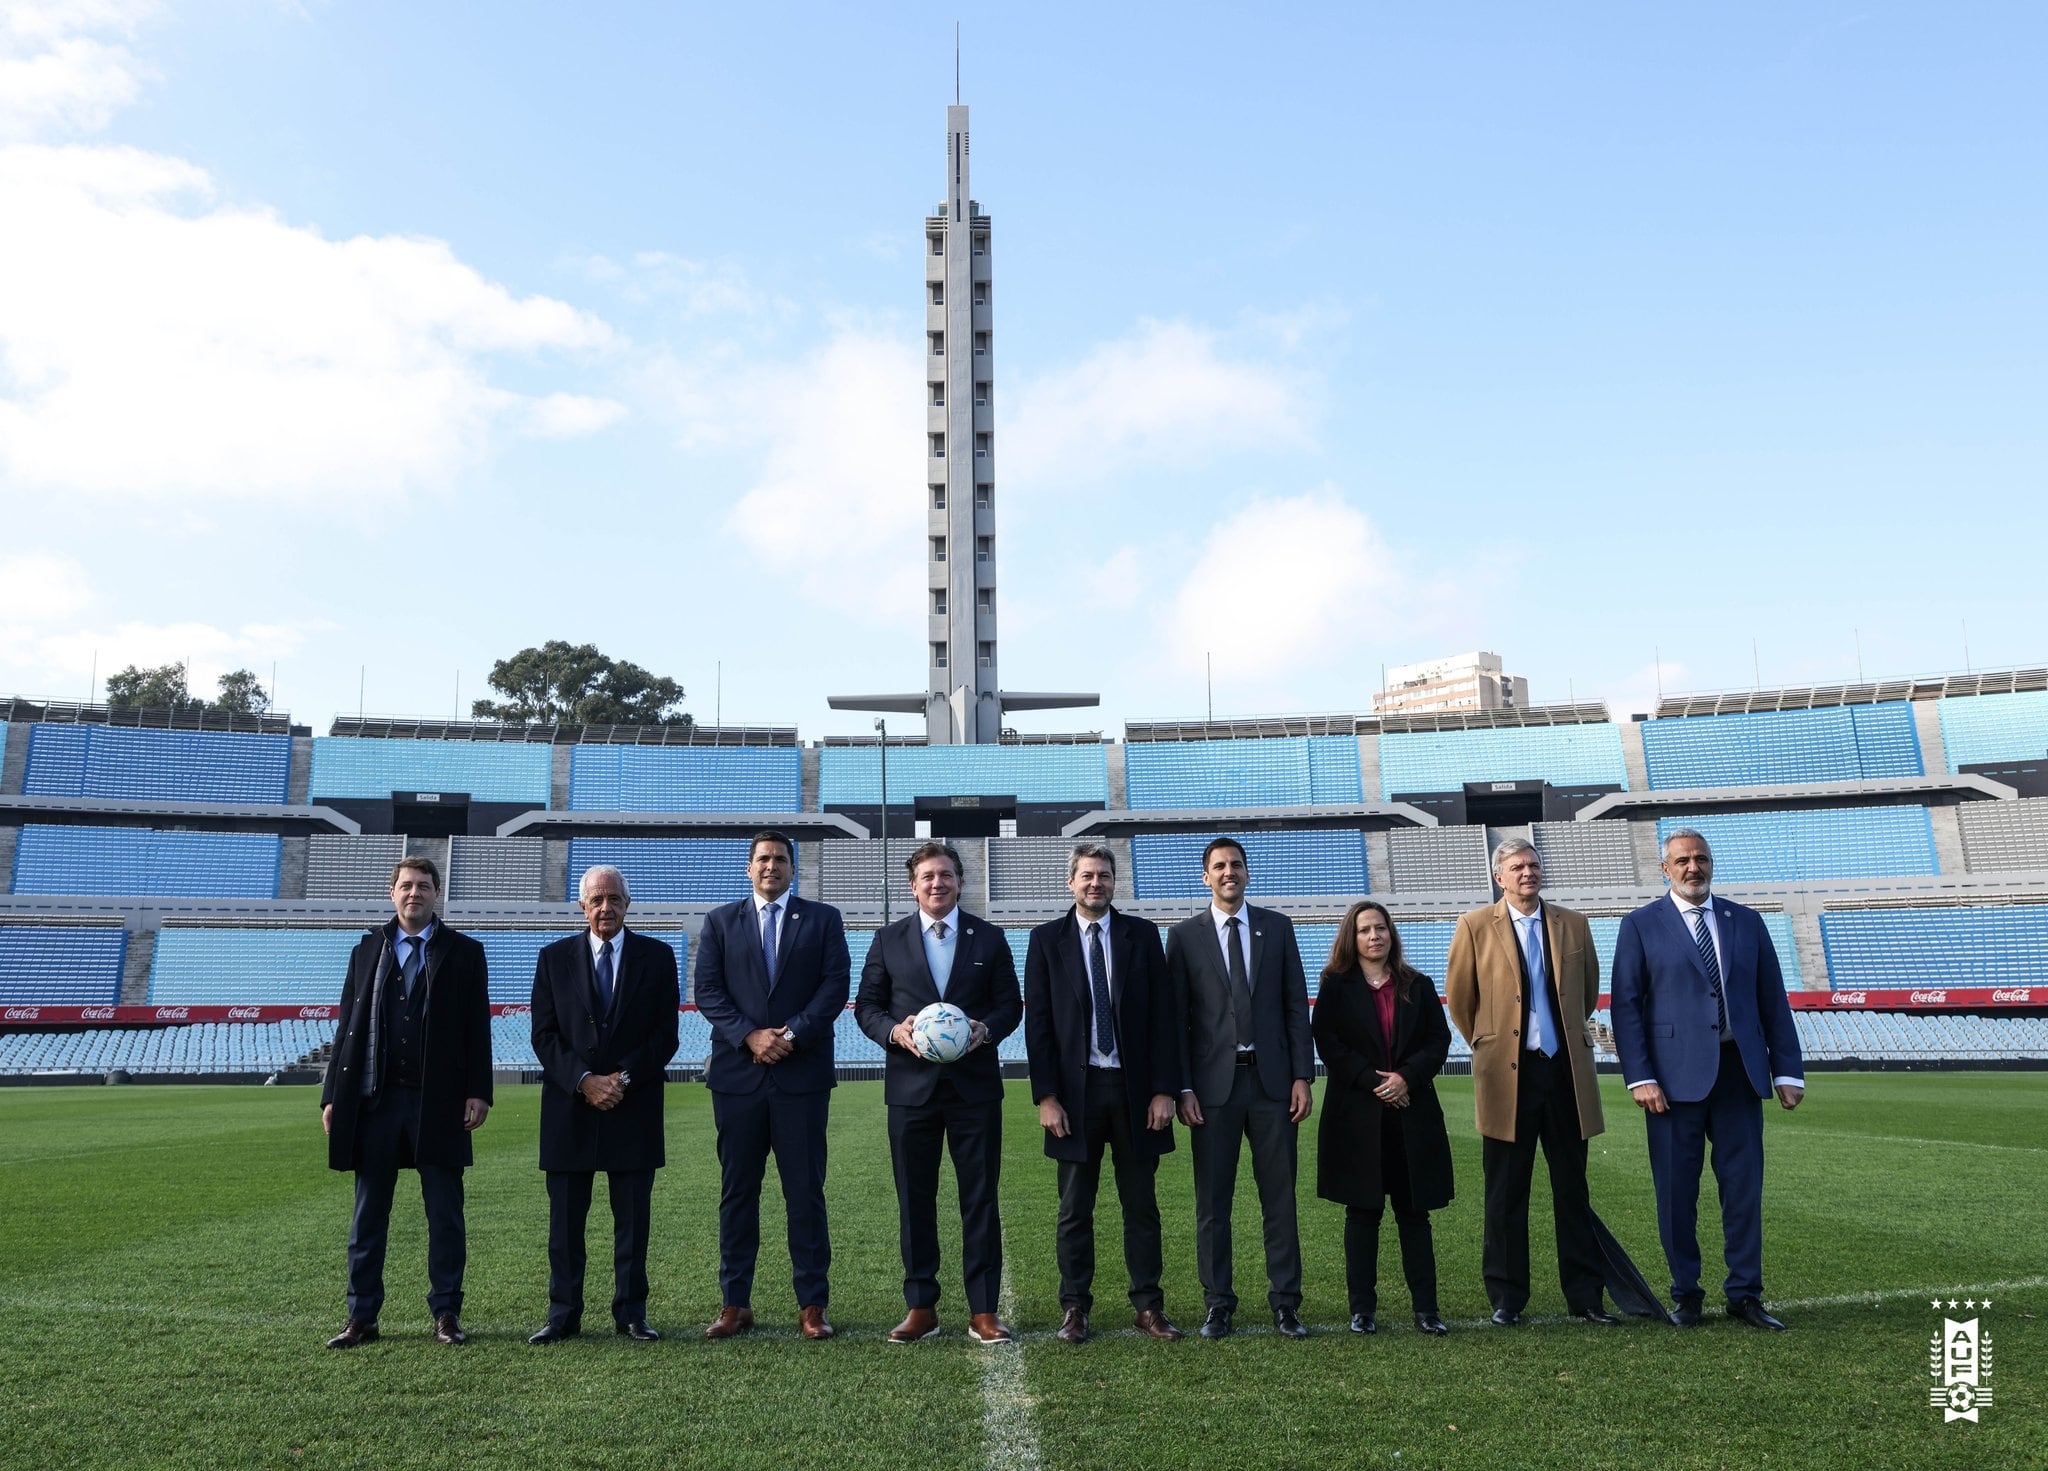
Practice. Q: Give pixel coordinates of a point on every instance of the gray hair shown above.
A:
(1509, 847)
(1089, 850)
(601, 870)
(1664, 848)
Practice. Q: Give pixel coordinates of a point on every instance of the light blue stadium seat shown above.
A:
(1859, 842)
(202, 967)
(851, 776)
(2008, 727)
(1169, 865)
(1996, 945)
(61, 965)
(1444, 760)
(489, 771)
(706, 779)
(156, 765)
(1284, 771)
(667, 870)
(144, 862)
(1838, 743)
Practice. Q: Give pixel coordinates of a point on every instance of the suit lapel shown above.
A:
(1682, 935)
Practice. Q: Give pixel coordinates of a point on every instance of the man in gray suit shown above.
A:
(1236, 972)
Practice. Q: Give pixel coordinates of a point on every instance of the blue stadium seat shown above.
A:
(144, 862)
(1859, 842)
(61, 965)
(1839, 743)
(200, 1047)
(1444, 760)
(1284, 771)
(667, 870)
(490, 771)
(200, 967)
(851, 776)
(1426, 945)
(1169, 865)
(1996, 945)
(156, 765)
(686, 779)
(2008, 727)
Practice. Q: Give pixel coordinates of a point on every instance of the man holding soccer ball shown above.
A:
(942, 954)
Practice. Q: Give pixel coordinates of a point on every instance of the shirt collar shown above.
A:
(761, 904)
(951, 917)
(425, 934)
(618, 941)
(1218, 918)
(1084, 921)
(1520, 918)
(1686, 906)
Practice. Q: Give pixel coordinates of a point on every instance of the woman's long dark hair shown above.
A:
(1344, 950)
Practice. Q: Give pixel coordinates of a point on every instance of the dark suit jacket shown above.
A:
(455, 1054)
(1059, 1015)
(638, 1035)
(1347, 1027)
(1665, 1022)
(896, 983)
(1200, 981)
(812, 974)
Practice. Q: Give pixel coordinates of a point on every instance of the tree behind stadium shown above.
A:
(561, 683)
(164, 688)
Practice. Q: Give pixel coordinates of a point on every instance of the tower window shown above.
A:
(939, 601)
(985, 654)
(984, 547)
(938, 344)
(938, 395)
(981, 445)
(981, 242)
(984, 496)
(985, 599)
(980, 343)
(938, 446)
(938, 549)
(938, 243)
(938, 293)
(938, 497)
(981, 293)
(938, 656)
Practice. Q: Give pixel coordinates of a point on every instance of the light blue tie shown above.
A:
(1540, 1025)
(769, 918)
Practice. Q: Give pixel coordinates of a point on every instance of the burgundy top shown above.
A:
(1383, 1001)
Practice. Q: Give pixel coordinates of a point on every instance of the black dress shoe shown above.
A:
(1217, 1324)
(554, 1333)
(1686, 1314)
(1363, 1323)
(1287, 1325)
(1430, 1323)
(1749, 1310)
(355, 1333)
(448, 1329)
(638, 1331)
(1595, 1315)
(1505, 1317)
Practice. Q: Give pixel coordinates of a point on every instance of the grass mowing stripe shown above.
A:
(1916, 1139)
(1010, 1442)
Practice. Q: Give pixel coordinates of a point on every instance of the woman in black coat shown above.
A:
(1383, 1130)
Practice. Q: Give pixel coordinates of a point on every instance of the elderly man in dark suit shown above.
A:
(407, 1082)
(943, 953)
(604, 1028)
(1101, 1032)
(1247, 1058)
(772, 977)
(1705, 1031)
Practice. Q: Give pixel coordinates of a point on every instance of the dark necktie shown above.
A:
(1705, 941)
(1240, 982)
(604, 976)
(1098, 981)
(770, 917)
(409, 972)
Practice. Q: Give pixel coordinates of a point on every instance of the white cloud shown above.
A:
(38, 588)
(56, 74)
(571, 416)
(1638, 691)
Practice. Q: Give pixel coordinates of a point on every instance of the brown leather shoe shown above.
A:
(811, 1322)
(731, 1322)
(1073, 1327)
(355, 1333)
(917, 1323)
(988, 1328)
(1153, 1324)
(448, 1329)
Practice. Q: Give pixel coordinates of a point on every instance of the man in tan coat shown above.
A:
(1521, 983)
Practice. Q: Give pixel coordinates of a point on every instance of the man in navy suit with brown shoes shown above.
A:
(772, 977)
(943, 953)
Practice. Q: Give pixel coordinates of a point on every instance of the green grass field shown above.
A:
(172, 1258)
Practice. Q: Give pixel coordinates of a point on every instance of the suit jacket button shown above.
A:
(1513, 1065)
(1516, 1033)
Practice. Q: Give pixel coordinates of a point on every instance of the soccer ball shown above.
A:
(940, 1033)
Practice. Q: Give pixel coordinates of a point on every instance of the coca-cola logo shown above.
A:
(315, 1013)
(245, 1013)
(515, 1010)
(95, 1013)
(23, 1013)
(2018, 993)
(173, 1013)
(1848, 998)
(1927, 998)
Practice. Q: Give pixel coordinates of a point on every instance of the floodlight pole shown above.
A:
(882, 729)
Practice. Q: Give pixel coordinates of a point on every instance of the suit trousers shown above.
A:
(1275, 1142)
(387, 1135)
(973, 1134)
(632, 1196)
(1732, 1117)
(1546, 1112)
(1105, 1119)
(750, 1127)
(1362, 1232)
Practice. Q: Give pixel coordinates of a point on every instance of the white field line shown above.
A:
(1821, 1135)
(1010, 1442)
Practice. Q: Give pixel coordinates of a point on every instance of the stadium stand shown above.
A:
(197, 1048)
(361, 767)
(1169, 865)
(513, 954)
(1444, 760)
(1864, 842)
(667, 870)
(852, 775)
(496, 869)
(1586, 855)
(1842, 1036)
(351, 867)
(1999, 727)
(156, 765)
(1766, 747)
(1283, 771)
(1988, 945)
(1452, 858)
(851, 871)
(1999, 836)
(61, 965)
(1029, 871)
(3, 741)
(706, 779)
(146, 863)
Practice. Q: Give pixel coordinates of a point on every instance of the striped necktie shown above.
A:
(1705, 942)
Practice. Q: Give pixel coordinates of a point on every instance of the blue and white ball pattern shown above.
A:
(940, 1033)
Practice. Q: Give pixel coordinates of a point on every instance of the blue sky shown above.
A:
(377, 341)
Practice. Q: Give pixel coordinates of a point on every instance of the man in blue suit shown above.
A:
(1705, 1032)
(772, 977)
